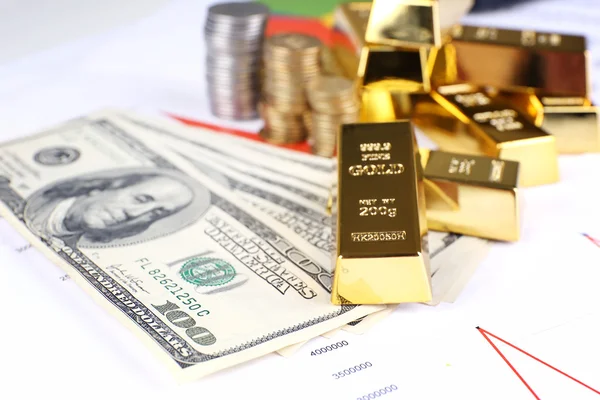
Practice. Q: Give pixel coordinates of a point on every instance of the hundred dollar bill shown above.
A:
(454, 258)
(203, 278)
(305, 217)
(252, 157)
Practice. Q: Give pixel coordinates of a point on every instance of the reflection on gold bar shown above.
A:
(490, 126)
(573, 121)
(349, 30)
(576, 128)
(381, 229)
(391, 81)
(549, 64)
(407, 67)
(404, 23)
(472, 195)
(377, 105)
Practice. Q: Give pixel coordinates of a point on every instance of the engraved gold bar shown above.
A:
(573, 121)
(379, 214)
(368, 62)
(463, 118)
(472, 195)
(548, 64)
(391, 81)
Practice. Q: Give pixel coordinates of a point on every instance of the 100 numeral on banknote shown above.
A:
(206, 278)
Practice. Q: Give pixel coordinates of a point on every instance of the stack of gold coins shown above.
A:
(334, 101)
(291, 61)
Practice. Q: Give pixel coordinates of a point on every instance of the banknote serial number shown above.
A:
(177, 291)
(352, 370)
(329, 348)
(389, 236)
(378, 393)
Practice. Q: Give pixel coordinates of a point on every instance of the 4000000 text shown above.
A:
(327, 348)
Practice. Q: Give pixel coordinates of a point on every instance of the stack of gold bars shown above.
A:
(500, 104)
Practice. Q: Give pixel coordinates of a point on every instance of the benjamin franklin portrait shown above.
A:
(116, 207)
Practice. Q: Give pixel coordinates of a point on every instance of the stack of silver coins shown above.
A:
(234, 34)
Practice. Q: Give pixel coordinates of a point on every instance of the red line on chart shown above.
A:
(592, 239)
(486, 334)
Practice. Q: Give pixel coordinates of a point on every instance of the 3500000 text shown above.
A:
(352, 370)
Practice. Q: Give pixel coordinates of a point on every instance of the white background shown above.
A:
(60, 59)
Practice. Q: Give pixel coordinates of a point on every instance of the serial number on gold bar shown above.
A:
(389, 236)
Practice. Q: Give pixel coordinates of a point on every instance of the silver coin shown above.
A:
(249, 74)
(237, 30)
(233, 83)
(235, 34)
(234, 47)
(238, 10)
(230, 97)
(232, 68)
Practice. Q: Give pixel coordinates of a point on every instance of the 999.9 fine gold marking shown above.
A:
(379, 210)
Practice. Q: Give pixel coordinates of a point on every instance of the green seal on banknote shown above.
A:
(207, 271)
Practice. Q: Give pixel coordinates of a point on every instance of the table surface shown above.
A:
(540, 294)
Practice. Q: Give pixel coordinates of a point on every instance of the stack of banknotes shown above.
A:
(213, 249)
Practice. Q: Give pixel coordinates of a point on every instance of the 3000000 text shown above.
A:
(378, 393)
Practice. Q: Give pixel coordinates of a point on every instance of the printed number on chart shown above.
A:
(330, 347)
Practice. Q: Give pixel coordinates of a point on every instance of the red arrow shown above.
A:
(486, 334)
(592, 239)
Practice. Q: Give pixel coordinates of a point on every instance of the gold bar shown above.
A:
(404, 24)
(349, 30)
(472, 195)
(576, 128)
(547, 64)
(573, 121)
(391, 81)
(388, 66)
(488, 126)
(381, 228)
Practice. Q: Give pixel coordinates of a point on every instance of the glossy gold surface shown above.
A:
(472, 195)
(406, 66)
(350, 28)
(377, 105)
(548, 64)
(573, 122)
(404, 23)
(576, 128)
(488, 126)
(381, 228)
(387, 101)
